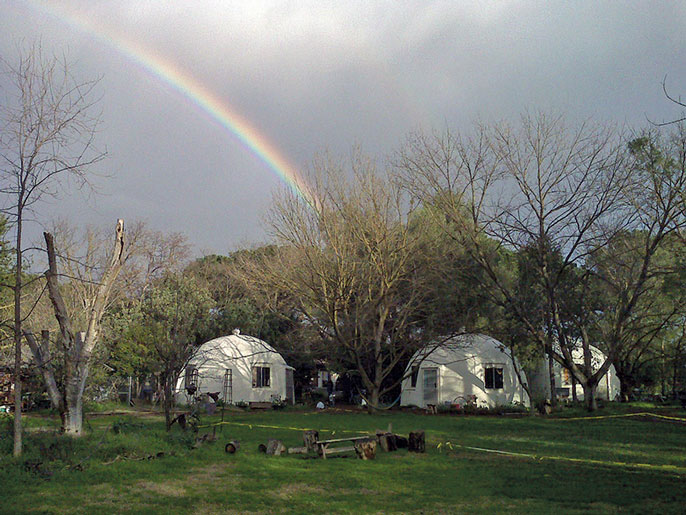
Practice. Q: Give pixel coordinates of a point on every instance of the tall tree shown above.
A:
(348, 267)
(565, 193)
(46, 140)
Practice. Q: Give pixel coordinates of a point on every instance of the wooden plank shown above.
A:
(337, 450)
(336, 440)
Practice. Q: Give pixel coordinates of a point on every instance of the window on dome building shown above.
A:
(493, 377)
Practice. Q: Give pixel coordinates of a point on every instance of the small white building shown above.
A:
(608, 388)
(239, 368)
(468, 368)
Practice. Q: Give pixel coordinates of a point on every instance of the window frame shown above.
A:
(192, 377)
(494, 376)
(414, 376)
(259, 375)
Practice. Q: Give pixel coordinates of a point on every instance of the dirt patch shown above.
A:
(168, 488)
(291, 490)
(207, 474)
(213, 509)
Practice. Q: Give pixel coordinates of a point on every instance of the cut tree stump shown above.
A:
(232, 447)
(387, 441)
(401, 442)
(366, 449)
(275, 448)
(310, 439)
(417, 442)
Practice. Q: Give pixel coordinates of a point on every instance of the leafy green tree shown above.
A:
(173, 316)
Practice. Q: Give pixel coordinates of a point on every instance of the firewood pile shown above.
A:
(364, 447)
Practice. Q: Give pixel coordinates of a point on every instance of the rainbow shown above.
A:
(191, 89)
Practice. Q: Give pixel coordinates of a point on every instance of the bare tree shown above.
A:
(46, 140)
(349, 268)
(78, 345)
(151, 255)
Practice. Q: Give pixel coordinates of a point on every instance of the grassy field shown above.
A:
(555, 464)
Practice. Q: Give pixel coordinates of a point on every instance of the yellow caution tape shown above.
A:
(641, 414)
(333, 431)
(648, 466)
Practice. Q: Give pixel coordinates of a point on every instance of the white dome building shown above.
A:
(468, 368)
(239, 368)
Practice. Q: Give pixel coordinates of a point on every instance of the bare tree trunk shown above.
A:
(518, 372)
(575, 397)
(168, 402)
(374, 398)
(17, 341)
(551, 377)
(76, 384)
(43, 358)
(589, 396)
(80, 346)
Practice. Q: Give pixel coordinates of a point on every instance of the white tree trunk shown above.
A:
(79, 346)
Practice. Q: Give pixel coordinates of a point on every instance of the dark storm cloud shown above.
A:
(314, 76)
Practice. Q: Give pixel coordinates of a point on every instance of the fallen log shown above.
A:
(297, 450)
(231, 447)
(262, 448)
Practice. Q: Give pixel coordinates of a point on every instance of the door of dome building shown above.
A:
(430, 385)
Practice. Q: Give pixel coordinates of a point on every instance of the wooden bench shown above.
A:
(324, 449)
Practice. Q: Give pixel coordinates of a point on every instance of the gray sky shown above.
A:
(316, 76)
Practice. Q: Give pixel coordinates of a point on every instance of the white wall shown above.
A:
(461, 373)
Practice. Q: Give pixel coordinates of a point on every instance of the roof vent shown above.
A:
(236, 331)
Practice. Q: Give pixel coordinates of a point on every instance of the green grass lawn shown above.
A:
(559, 464)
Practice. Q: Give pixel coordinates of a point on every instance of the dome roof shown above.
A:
(237, 347)
(464, 346)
